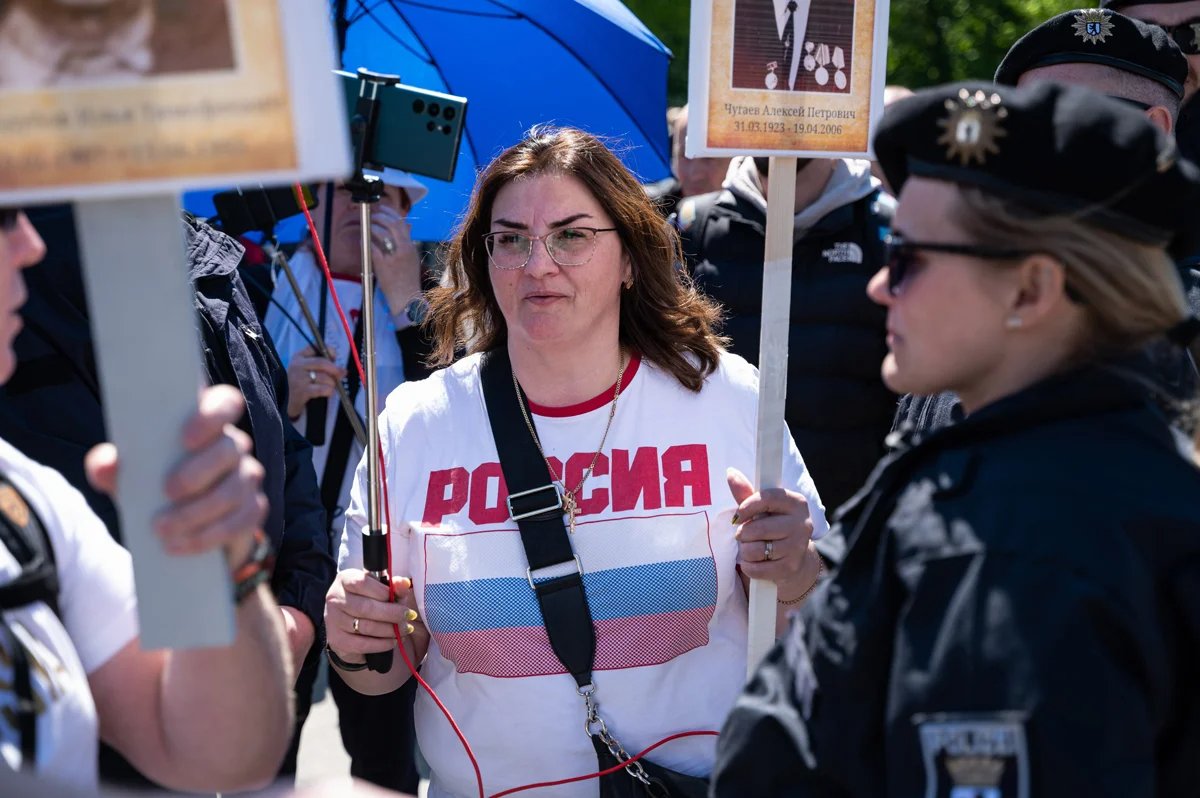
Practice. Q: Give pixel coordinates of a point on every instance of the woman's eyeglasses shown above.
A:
(900, 256)
(570, 246)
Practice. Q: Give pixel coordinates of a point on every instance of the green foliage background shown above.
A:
(929, 41)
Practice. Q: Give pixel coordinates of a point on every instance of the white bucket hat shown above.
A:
(414, 188)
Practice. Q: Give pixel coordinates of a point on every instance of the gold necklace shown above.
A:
(570, 499)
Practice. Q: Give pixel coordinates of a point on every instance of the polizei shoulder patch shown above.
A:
(974, 756)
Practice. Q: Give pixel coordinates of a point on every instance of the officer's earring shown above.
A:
(1013, 322)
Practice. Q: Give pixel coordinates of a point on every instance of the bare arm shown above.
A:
(215, 718)
(203, 719)
(299, 634)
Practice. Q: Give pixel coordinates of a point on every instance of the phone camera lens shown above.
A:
(434, 109)
(418, 106)
(448, 112)
(431, 126)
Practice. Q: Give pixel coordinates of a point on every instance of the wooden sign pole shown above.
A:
(148, 357)
(772, 379)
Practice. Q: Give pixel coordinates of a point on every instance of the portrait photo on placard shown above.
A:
(793, 45)
(111, 98)
(801, 78)
(85, 43)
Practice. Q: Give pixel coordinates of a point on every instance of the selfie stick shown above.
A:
(366, 191)
(277, 259)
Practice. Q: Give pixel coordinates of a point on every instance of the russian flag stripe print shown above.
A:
(645, 613)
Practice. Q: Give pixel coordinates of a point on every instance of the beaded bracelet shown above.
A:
(805, 594)
(256, 570)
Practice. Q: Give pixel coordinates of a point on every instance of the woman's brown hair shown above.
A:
(663, 316)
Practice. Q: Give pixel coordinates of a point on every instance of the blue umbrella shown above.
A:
(586, 63)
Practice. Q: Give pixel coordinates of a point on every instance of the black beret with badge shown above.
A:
(1053, 148)
(1186, 34)
(1098, 36)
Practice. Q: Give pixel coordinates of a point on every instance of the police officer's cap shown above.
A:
(1098, 36)
(1053, 148)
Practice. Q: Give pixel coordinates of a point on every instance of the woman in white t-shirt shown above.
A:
(642, 417)
(199, 720)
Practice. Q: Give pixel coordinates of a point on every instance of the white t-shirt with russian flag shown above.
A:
(656, 545)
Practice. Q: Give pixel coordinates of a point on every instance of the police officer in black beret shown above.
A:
(1181, 20)
(1141, 65)
(1105, 51)
(1018, 610)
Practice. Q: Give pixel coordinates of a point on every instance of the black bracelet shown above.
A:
(341, 664)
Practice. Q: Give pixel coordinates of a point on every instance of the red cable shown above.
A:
(358, 366)
(320, 253)
(613, 769)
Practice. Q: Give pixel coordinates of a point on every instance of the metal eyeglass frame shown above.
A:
(488, 243)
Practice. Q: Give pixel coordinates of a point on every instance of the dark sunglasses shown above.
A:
(1186, 35)
(8, 218)
(900, 255)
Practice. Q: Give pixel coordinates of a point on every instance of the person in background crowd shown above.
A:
(1181, 20)
(1138, 64)
(1000, 590)
(565, 275)
(689, 176)
(837, 408)
(890, 95)
(71, 664)
(378, 734)
(51, 410)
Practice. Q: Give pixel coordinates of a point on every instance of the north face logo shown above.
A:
(844, 252)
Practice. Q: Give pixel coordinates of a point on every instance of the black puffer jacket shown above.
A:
(838, 409)
(1017, 614)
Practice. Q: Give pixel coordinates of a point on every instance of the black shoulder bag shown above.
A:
(535, 503)
(22, 533)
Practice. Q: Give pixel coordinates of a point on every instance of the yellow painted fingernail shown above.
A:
(409, 628)
(735, 518)
(410, 615)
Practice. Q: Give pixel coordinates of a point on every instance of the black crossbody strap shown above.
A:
(26, 538)
(535, 503)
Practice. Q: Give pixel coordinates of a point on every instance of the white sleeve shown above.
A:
(795, 474)
(350, 552)
(96, 591)
(391, 429)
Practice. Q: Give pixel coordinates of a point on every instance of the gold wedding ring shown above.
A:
(354, 628)
(768, 550)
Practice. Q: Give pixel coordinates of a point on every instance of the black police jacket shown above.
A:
(1017, 614)
(838, 409)
(51, 408)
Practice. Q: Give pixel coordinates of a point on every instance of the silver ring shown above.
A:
(768, 550)
(389, 246)
(354, 628)
(312, 376)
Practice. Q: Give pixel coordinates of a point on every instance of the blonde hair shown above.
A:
(663, 315)
(1129, 292)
